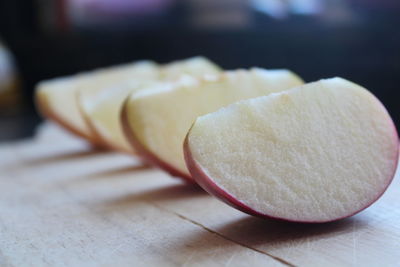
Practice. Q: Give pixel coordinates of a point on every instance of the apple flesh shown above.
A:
(57, 99)
(101, 105)
(67, 114)
(156, 121)
(196, 66)
(316, 153)
(101, 111)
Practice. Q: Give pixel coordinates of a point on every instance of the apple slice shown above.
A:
(102, 109)
(156, 121)
(57, 100)
(196, 66)
(101, 105)
(316, 153)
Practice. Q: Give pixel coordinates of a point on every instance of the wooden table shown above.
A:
(62, 204)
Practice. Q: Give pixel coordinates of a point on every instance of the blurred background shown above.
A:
(40, 39)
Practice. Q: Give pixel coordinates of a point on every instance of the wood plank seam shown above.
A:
(285, 262)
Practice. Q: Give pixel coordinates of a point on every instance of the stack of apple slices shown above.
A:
(157, 120)
(77, 102)
(57, 98)
(101, 111)
(259, 140)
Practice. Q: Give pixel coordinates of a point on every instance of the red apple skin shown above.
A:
(46, 112)
(212, 188)
(146, 155)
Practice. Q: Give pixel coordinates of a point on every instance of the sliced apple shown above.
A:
(101, 111)
(317, 153)
(157, 120)
(57, 100)
(49, 94)
(102, 105)
(196, 66)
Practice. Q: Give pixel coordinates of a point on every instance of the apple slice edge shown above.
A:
(206, 182)
(143, 152)
(44, 109)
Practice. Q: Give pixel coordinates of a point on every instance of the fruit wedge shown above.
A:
(156, 121)
(57, 100)
(316, 153)
(101, 105)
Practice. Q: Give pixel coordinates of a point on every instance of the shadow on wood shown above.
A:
(119, 171)
(67, 156)
(256, 231)
(173, 192)
(264, 235)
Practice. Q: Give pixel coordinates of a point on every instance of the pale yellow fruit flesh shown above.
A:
(50, 94)
(58, 96)
(161, 118)
(103, 105)
(103, 110)
(196, 66)
(315, 153)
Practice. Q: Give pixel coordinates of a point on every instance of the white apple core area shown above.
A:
(316, 153)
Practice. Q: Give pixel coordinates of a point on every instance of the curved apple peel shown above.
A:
(219, 190)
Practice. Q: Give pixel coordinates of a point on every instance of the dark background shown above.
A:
(357, 39)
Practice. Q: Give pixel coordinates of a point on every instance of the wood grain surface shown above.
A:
(63, 204)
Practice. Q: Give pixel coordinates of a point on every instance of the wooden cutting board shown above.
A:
(62, 204)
